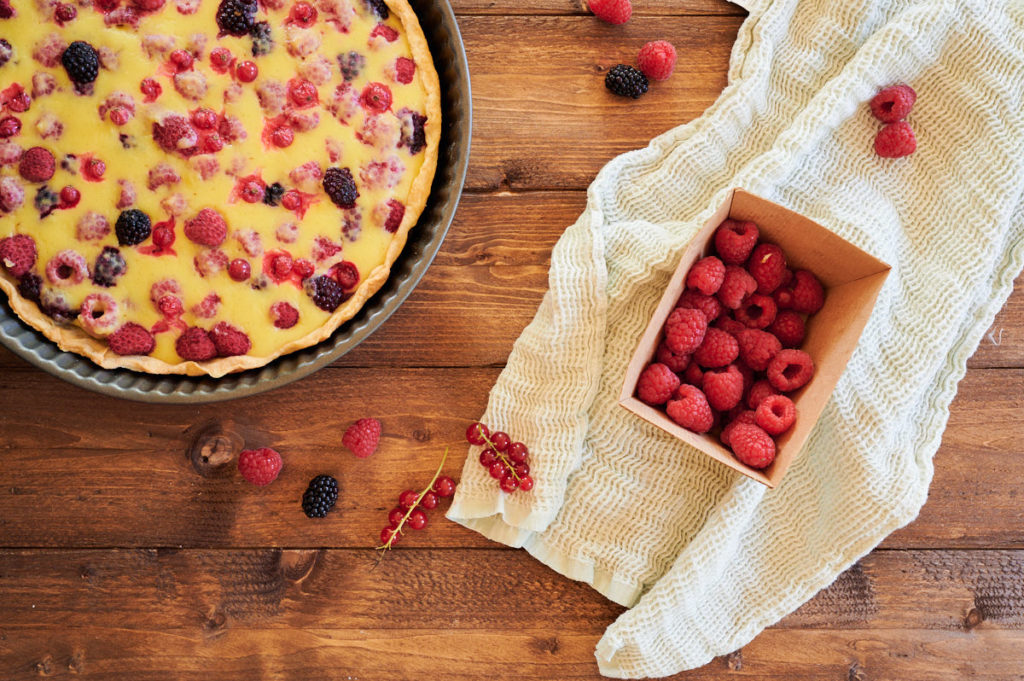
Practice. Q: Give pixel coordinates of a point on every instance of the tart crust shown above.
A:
(73, 339)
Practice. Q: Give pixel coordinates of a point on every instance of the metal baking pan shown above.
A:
(442, 32)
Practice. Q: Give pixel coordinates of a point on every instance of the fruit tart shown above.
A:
(200, 186)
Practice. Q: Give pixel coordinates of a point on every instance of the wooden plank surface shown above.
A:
(578, 7)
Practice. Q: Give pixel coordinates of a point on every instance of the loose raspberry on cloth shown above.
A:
(726, 557)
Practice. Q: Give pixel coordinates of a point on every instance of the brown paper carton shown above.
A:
(852, 280)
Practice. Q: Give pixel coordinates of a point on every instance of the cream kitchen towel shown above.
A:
(704, 557)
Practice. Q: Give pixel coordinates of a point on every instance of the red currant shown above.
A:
(444, 486)
(407, 499)
(488, 457)
(220, 59)
(509, 484)
(429, 501)
(246, 71)
(517, 452)
(291, 200)
(119, 116)
(477, 433)
(500, 440)
(204, 119)
(239, 269)
(69, 197)
(521, 469)
(170, 306)
(163, 237)
(282, 265)
(498, 470)
(212, 144)
(303, 13)
(10, 126)
(252, 192)
(376, 98)
(282, 137)
(151, 89)
(417, 519)
(395, 516)
(95, 169)
(526, 483)
(65, 12)
(304, 268)
(20, 102)
(182, 60)
(389, 534)
(302, 92)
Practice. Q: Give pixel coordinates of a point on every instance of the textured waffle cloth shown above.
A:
(704, 557)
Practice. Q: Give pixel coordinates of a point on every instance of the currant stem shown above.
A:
(504, 459)
(408, 511)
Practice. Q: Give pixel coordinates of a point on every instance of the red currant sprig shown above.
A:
(409, 511)
(504, 459)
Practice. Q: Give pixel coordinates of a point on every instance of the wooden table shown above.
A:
(123, 558)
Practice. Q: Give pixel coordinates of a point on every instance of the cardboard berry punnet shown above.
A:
(852, 280)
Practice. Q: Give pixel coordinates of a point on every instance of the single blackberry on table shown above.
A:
(378, 7)
(341, 187)
(320, 496)
(30, 286)
(273, 193)
(351, 64)
(262, 42)
(236, 17)
(81, 62)
(626, 81)
(327, 294)
(109, 266)
(132, 227)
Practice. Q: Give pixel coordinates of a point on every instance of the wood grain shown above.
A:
(578, 7)
(59, 471)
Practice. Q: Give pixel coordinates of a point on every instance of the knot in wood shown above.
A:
(734, 660)
(297, 565)
(974, 618)
(212, 447)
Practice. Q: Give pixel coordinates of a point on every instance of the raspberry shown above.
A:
(259, 466)
(195, 345)
(730, 325)
(362, 437)
(18, 254)
(404, 70)
(684, 330)
(723, 387)
(236, 17)
(691, 410)
(612, 11)
(734, 240)
(709, 305)
(736, 286)
(37, 165)
(320, 497)
(656, 384)
(175, 133)
(706, 275)
(693, 375)
(718, 349)
(758, 392)
(284, 314)
(207, 228)
(752, 446)
(757, 348)
(229, 340)
(657, 59)
(788, 327)
(768, 267)
(626, 81)
(757, 311)
(327, 294)
(808, 294)
(396, 211)
(744, 416)
(676, 363)
(783, 297)
(790, 369)
(775, 414)
(341, 187)
(81, 62)
(131, 339)
(895, 140)
(132, 227)
(893, 103)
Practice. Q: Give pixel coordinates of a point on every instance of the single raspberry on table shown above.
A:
(656, 384)
(775, 414)
(718, 349)
(207, 228)
(757, 311)
(757, 348)
(752, 445)
(768, 267)
(790, 370)
(684, 330)
(229, 340)
(737, 285)
(18, 254)
(893, 103)
(37, 165)
(895, 140)
(709, 305)
(742, 416)
(734, 240)
(706, 275)
(612, 11)
(131, 339)
(808, 293)
(676, 363)
(657, 59)
(723, 387)
(691, 410)
(362, 437)
(789, 328)
(195, 345)
(259, 466)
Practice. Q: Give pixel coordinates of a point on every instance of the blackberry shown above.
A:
(55, 305)
(109, 266)
(320, 496)
(6, 51)
(341, 187)
(69, 163)
(351, 64)
(132, 227)
(327, 294)
(413, 134)
(30, 286)
(626, 81)
(262, 42)
(81, 62)
(236, 17)
(378, 7)
(46, 200)
(127, 141)
(272, 195)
